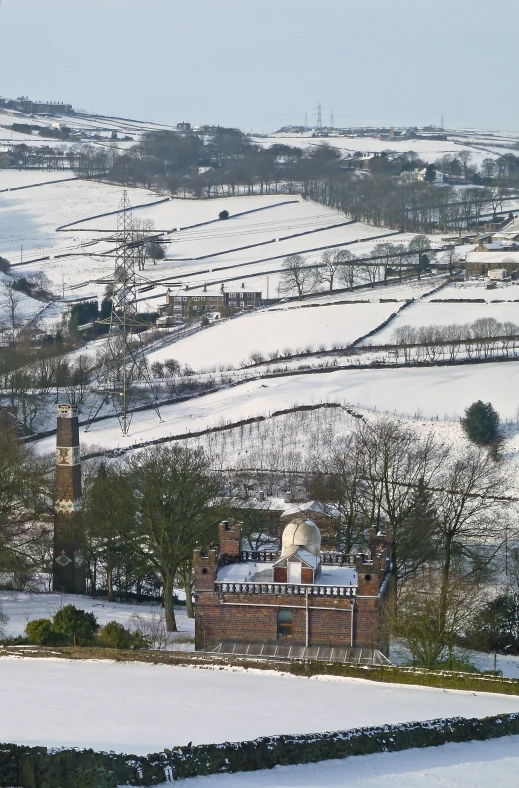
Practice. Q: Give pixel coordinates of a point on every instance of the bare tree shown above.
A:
(12, 304)
(472, 520)
(298, 276)
(331, 264)
(347, 271)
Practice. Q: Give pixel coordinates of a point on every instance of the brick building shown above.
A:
(300, 595)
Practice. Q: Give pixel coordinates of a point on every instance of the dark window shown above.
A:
(285, 626)
(204, 571)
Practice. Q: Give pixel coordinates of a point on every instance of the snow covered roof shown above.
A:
(263, 572)
(312, 506)
(492, 257)
(308, 558)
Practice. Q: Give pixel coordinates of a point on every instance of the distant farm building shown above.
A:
(480, 263)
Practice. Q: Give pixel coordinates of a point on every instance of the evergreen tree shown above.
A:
(481, 423)
(419, 530)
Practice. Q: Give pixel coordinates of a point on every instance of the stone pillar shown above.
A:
(68, 563)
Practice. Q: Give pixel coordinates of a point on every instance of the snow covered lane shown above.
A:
(136, 708)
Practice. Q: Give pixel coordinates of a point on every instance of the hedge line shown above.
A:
(37, 767)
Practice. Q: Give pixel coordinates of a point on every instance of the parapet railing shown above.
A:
(260, 556)
(292, 589)
(327, 558)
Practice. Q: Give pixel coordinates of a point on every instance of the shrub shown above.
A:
(481, 423)
(223, 215)
(114, 635)
(4, 265)
(40, 631)
(75, 625)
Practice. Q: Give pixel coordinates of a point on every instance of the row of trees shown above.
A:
(343, 268)
(226, 162)
(483, 338)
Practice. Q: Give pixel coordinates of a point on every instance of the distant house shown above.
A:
(199, 301)
(183, 126)
(439, 177)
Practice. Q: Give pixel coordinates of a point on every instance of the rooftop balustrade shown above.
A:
(292, 589)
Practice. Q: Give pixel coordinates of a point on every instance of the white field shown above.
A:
(15, 179)
(429, 314)
(468, 765)
(30, 217)
(427, 392)
(233, 341)
(136, 708)
(428, 150)
(476, 290)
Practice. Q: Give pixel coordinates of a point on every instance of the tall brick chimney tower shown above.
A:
(67, 567)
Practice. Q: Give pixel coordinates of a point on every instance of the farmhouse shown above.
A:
(190, 303)
(300, 597)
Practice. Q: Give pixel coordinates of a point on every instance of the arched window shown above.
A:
(285, 625)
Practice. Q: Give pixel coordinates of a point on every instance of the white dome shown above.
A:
(301, 533)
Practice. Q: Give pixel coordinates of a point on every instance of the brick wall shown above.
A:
(251, 621)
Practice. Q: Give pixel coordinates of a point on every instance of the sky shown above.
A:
(262, 64)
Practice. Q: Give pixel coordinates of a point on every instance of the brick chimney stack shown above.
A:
(230, 535)
(68, 568)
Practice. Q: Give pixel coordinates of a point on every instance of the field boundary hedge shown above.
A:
(39, 767)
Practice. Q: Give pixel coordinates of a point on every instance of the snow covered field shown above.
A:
(476, 290)
(429, 393)
(16, 179)
(467, 765)
(428, 150)
(137, 708)
(232, 342)
(442, 314)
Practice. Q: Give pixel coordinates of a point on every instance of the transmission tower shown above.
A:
(332, 120)
(319, 116)
(306, 120)
(124, 362)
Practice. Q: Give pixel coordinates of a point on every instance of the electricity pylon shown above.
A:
(124, 362)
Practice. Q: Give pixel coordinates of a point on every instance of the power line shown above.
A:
(124, 364)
